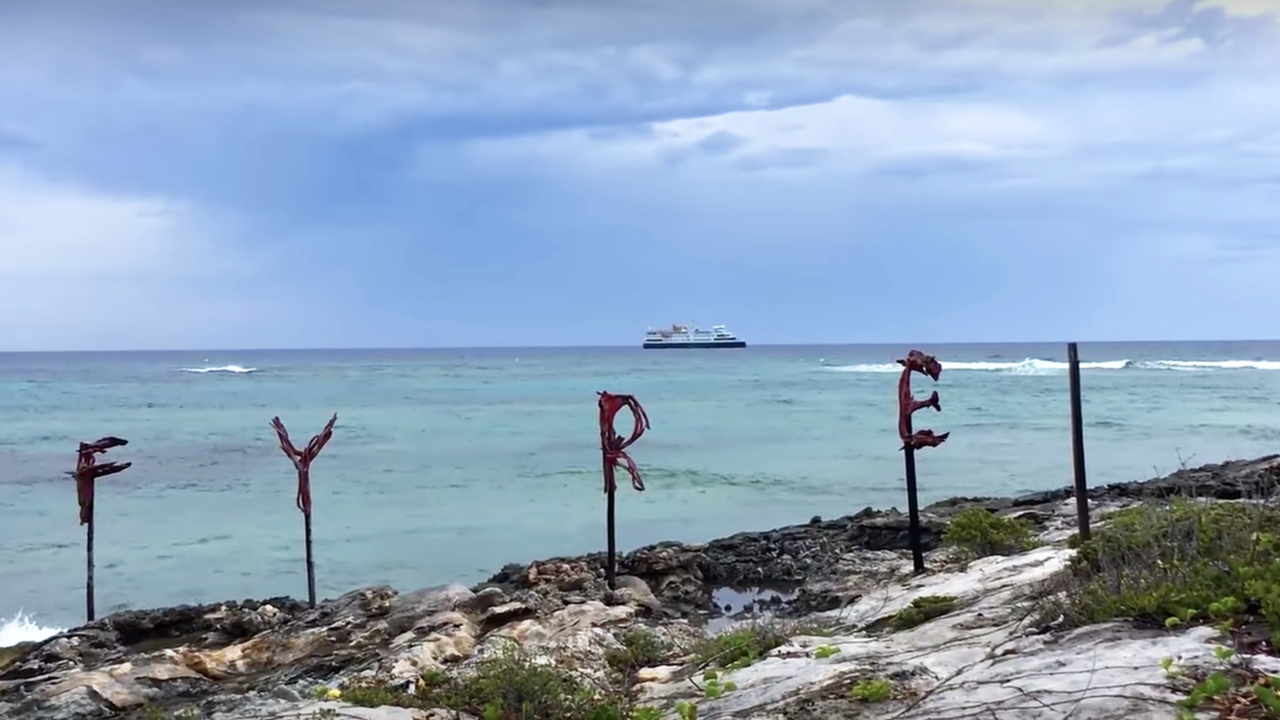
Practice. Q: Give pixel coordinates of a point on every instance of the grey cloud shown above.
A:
(598, 63)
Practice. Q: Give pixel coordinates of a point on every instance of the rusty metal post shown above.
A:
(302, 463)
(613, 454)
(86, 473)
(1077, 442)
(913, 505)
(913, 440)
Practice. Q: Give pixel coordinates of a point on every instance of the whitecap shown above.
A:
(23, 628)
(232, 369)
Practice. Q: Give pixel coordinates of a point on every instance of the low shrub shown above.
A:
(745, 645)
(1178, 562)
(507, 685)
(978, 533)
(640, 648)
(872, 690)
(922, 610)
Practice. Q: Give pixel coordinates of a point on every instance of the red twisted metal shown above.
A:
(87, 471)
(614, 445)
(302, 458)
(928, 365)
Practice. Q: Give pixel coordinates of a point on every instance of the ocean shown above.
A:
(447, 464)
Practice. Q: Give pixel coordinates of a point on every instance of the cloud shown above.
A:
(82, 268)
(374, 162)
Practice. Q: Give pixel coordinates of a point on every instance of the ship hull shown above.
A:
(707, 345)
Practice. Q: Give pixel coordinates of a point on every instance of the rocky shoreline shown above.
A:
(264, 658)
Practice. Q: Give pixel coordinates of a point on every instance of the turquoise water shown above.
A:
(447, 464)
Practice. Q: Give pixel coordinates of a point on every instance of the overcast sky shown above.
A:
(315, 173)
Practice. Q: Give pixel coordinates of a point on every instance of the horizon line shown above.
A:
(408, 348)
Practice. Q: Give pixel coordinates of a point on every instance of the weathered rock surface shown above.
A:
(265, 658)
(982, 660)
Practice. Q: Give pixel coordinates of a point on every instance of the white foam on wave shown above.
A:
(1214, 364)
(233, 369)
(1030, 366)
(1036, 366)
(24, 628)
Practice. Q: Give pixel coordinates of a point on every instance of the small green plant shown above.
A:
(506, 685)
(1214, 686)
(712, 688)
(640, 648)
(1268, 694)
(922, 610)
(822, 652)
(151, 712)
(743, 646)
(978, 533)
(872, 690)
(646, 712)
(1226, 687)
(686, 710)
(324, 714)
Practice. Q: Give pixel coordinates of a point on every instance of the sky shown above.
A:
(421, 173)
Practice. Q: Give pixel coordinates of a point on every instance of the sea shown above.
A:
(447, 464)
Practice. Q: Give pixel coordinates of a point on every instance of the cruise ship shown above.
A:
(680, 336)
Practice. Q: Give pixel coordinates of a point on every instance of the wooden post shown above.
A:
(1077, 442)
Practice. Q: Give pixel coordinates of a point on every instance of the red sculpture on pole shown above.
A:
(613, 452)
(927, 365)
(87, 471)
(302, 462)
(913, 440)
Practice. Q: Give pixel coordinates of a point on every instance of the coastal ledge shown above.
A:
(844, 631)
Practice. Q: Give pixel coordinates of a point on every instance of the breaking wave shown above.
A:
(23, 628)
(1037, 366)
(232, 369)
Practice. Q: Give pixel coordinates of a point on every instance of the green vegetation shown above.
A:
(152, 712)
(978, 533)
(507, 685)
(1182, 562)
(872, 690)
(822, 652)
(743, 646)
(712, 688)
(1179, 563)
(641, 648)
(1231, 688)
(922, 610)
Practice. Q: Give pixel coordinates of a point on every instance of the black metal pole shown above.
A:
(913, 505)
(89, 610)
(1077, 442)
(610, 570)
(311, 563)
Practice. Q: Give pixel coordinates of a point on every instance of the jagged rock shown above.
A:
(245, 659)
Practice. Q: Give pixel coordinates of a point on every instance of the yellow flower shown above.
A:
(334, 694)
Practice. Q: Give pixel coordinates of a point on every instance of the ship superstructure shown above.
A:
(681, 336)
